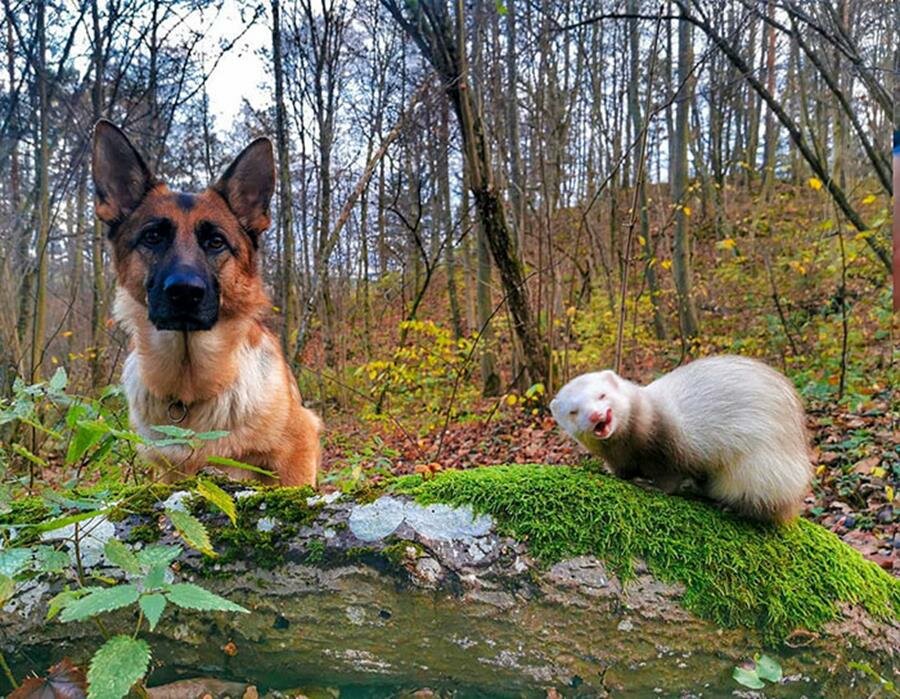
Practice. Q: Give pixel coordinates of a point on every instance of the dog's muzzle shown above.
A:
(184, 301)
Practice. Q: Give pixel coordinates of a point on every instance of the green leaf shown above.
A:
(64, 598)
(152, 605)
(768, 669)
(218, 497)
(192, 596)
(7, 588)
(50, 560)
(116, 666)
(120, 555)
(155, 578)
(58, 382)
(233, 463)
(104, 599)
(26, 454)
(158, 555)
(209, 436)
(14, 561)
(174, 431)
(192, 530)
(87, 434)
(748, 678)
(61, 522)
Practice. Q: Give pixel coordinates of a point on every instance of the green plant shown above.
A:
(763, 669)
(421, 377)
(88, 439)
(123, 659)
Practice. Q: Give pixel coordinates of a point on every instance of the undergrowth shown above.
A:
(735, 573)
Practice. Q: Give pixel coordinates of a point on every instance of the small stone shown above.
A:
(265, 524)
(176, 501)
(625, 625)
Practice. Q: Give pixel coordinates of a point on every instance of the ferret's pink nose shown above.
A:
(596, 416)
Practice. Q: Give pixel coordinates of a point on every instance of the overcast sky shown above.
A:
(241, 73)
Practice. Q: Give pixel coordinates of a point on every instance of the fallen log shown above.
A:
(503, 580)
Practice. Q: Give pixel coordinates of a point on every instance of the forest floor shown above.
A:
(856, 456)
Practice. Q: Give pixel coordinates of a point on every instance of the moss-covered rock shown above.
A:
(523, 577)
(775, 579)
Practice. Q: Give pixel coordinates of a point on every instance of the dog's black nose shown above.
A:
(184, 289)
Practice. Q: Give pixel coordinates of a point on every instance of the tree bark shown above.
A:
(430, 28)
(681, 252)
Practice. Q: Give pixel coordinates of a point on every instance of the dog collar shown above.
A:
(177, 411)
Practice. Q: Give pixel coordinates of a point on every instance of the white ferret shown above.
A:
(733, 424)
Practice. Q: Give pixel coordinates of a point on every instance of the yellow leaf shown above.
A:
(666, 264)
(512, 399)
(570, 311)
(878, 472)
(820, 469)
(889, 493)
(687, 210)
(869, 199)
(727, 244)
(67, 333)
(815, 183)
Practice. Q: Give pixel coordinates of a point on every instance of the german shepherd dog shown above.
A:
(191, 297)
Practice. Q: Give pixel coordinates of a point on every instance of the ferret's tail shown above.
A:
(768, 487)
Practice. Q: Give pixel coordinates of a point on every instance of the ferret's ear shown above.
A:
(612, 377)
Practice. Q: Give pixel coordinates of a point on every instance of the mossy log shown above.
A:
(510, 580)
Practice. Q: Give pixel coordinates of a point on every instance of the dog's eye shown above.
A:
(152, 237)
(214, 242)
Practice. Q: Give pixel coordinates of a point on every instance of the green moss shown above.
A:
(265, 548)
(287, 505)
(735, 572)
(28, 510)
(315, 551)
(398, 552)
(144, 533)
(140, 500)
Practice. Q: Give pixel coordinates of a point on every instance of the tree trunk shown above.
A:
(285, 191)
(42, 158)
(659, 321)
(431, 30)
(681, 253)
(390, 593)
(98, 287)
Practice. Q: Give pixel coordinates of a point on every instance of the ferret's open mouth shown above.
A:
(603, 427)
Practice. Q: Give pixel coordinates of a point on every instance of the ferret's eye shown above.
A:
(573, 412)
(601, 396)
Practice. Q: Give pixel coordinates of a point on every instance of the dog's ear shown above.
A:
(121, 177)
(248, 184)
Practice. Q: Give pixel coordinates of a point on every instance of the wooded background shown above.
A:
(557, 185)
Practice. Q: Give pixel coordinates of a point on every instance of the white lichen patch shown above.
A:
(381, 518)
(92, 535)
(177, 501)
(266, 524)
(326, 499)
